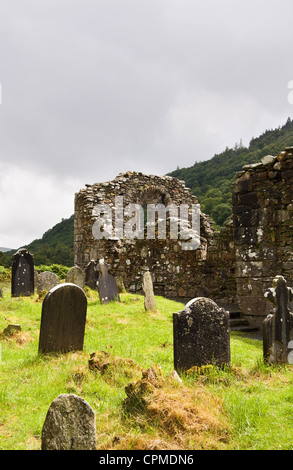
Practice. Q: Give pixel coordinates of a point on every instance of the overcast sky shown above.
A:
(92, 88)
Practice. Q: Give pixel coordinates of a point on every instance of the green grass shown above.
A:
(253, 402)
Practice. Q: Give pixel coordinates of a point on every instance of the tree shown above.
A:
(2, 259)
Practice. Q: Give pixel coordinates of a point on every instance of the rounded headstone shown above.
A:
(46, 281)
(76, 276)
(69, 425)
(63, 319)
(201, 335)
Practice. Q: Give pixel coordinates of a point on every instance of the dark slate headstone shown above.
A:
(201, 335)
(278, 325)
(70, 424)
(91, 275)
(63, 319)
(22, 279)
(107, 284)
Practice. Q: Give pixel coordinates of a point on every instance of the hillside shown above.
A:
(55, 246)
(211, 180)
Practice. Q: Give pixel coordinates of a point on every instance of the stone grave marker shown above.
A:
(149, 298)
(278, 325)
(91, 275)
(12, 328)
(107, 284)
(76, 276)
(46, 281)
(70, 424)
(63, 319)
(22, 279)
(201, 335)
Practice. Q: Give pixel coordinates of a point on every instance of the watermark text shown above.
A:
(151, 221)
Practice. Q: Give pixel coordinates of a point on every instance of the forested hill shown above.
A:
(211, 180)
(55, 246)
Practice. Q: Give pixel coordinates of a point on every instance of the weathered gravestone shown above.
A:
(70, 424)
(46, 281)
(91, 275)
(63, 319)
(201, 335)
(76, 276)
(278, 325)
(149, 298)
(10, 329)
(107, 284)
(22, 278)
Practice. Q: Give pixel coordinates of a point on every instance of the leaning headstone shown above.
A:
(22, 278)
(107, 284)
(70, 424)
(63, 319)
(278, 325)
(91, 275)
(46, 281)
(76, 276)
(201, 335)
(149, 298)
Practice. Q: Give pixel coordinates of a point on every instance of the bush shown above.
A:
(58, 269)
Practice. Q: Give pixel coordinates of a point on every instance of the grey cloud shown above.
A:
(95, 87)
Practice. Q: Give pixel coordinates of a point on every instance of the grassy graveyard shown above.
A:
(246, 406)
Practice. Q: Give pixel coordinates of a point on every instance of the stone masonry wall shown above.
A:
(176, 273)
(262, 219)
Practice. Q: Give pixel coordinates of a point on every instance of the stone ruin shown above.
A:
(176, 273)
(262, 225)
(235, 265)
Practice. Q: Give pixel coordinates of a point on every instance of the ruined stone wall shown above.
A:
(220, 266)
(236, 264)
(176, 273)
(262, 219)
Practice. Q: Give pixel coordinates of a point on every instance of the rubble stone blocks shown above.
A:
(278, 325)
(22, 278)
(107, 285)
(149, 298)
(63, 319)
(201, 335)
(76, 276)
(70, 424)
